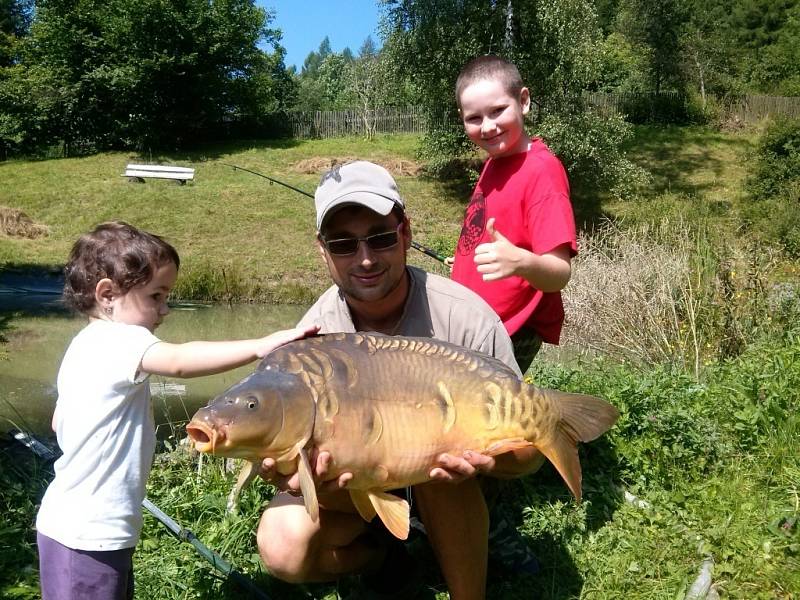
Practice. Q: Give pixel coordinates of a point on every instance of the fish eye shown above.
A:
(252, 402)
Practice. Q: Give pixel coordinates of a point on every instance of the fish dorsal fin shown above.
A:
(363, 504)
(307, 486)
(583, 418)
(249, 470)
(508, 445)
(393, 511)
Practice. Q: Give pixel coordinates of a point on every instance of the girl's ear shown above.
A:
(104, 294)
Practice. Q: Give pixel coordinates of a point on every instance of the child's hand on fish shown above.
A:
(279, 338)
(455, 469)
(291, 483)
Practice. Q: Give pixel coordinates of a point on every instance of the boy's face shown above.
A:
(494, 119)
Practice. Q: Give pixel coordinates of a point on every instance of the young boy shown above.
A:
(518, 236)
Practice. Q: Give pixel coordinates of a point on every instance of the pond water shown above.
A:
(38, 332)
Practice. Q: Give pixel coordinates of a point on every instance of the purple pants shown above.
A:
(67, 574)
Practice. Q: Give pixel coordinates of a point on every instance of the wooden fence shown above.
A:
(337, 123)
(747, 109)
(639, 106)
(755, 108)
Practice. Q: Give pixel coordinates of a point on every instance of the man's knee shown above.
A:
(285, 545)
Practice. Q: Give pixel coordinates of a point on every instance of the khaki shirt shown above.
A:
(437, 308)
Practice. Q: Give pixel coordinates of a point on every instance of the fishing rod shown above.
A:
(45, 452)
(415, 245)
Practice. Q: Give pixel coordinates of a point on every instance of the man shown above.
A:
(363, 238)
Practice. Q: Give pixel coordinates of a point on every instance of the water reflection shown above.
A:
(38, 337)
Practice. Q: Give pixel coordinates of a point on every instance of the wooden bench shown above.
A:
(142, 172)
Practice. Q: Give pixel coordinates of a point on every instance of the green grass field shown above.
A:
(704, 463)
(261, 235)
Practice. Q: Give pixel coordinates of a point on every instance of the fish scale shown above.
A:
(386, 407)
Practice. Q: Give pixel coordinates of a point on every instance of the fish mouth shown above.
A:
(204, 437)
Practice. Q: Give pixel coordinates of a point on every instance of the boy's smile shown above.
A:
(494, 119)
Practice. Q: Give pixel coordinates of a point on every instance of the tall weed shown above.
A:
(666, 294)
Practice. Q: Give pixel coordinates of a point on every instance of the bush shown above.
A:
(675, 108)
(776, 169)
(774, 186)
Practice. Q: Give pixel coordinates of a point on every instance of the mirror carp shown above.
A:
(386, 407)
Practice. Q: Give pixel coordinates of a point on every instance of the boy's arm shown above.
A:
(499, 259)
(194, 359)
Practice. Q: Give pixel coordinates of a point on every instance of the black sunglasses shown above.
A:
(378, 241)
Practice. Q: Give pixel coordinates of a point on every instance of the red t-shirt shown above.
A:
(528, 195)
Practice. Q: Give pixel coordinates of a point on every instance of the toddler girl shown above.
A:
(90, 518)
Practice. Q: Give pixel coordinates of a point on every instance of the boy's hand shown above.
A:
(279, 338)
(450, 261)
(499, 258)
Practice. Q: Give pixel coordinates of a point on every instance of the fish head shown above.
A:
(269, 414)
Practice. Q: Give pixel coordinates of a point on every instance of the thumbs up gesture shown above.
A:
(498, 258)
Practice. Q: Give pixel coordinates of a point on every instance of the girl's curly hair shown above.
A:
(115, 250)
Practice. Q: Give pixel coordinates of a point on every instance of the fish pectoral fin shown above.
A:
(508, 445)
(307, 486)
(249, 470)
(363, 504)
(393, 511)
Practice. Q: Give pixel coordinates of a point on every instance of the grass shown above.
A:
(683, 322)
(239, 236)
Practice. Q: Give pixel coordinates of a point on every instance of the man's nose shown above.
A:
(364, 254)
(487, 125)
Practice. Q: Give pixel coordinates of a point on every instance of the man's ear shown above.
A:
(104, 294)
(321, 248)
(525, 100)
(407, 234)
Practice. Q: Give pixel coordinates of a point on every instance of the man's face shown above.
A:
(367, 275)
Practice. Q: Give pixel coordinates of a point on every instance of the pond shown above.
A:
(38, 331)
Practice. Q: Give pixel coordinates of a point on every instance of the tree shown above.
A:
(314, 59)
(657, 28)
(150, 73)
(15, 16)
(368, 48)
(366, 82)
(555, 45)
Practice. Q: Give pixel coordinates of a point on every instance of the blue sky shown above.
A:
(306, 23)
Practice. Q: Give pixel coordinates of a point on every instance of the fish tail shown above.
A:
(583, 418)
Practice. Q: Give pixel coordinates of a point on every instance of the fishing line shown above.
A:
(415, 245)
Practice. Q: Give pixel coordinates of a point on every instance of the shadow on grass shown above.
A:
(675, 155)
(559, 577)
(216, 150)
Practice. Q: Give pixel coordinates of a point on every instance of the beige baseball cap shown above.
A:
(361, 183)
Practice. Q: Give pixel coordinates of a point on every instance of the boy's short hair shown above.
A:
(489, 67)
(115, 250)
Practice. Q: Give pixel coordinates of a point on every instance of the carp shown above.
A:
(386, 407)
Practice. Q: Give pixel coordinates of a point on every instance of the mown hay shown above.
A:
(15, 223)
(319, 164)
